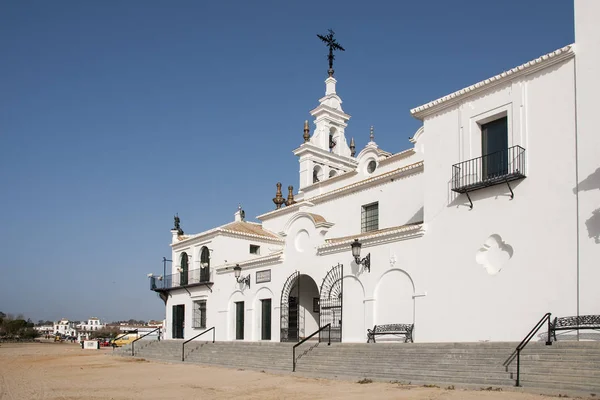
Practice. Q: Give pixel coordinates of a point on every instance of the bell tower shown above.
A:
(326, 153)
(330, 122)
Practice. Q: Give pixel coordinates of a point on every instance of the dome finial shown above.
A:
(306, 135)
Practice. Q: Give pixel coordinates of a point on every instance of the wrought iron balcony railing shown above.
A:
(491, 169)
(181, 279)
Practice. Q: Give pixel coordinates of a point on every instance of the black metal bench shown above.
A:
(574, 323)
(391, 329)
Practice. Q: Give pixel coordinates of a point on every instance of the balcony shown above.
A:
(491, 169)
(195, 277)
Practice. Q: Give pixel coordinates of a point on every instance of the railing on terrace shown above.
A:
(491, 169)
(180, 279)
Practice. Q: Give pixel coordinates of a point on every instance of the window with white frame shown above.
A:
(199, 317)
(254, 249)
(369, 218)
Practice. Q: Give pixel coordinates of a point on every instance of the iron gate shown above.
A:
(289, 334)
(331, 304)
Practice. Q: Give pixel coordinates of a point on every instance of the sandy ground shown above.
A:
(65, 371)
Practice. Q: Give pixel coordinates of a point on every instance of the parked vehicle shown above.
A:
(124, 339)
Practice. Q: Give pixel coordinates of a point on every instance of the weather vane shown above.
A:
(333, 45)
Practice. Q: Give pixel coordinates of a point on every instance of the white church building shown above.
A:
(490, 220)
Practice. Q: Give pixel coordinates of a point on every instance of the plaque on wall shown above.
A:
(316, 305)
(263, 276)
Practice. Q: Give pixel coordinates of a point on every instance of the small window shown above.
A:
(371, 167)
(254, 249)
(199, 318)
(370, 218)
(332, 173)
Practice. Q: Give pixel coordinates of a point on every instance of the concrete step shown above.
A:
(564, 365)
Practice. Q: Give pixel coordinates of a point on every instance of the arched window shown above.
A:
(185, 267)
(204, 265)
(332, 173)
(317, 174)
(332, 138)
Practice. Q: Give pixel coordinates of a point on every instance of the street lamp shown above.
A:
(237, 270)
(356, 245)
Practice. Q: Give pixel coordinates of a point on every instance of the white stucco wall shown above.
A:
(587, 39)
(538, 224)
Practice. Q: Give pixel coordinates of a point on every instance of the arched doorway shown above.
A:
(299, 307)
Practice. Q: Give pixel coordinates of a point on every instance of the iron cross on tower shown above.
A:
(333, 45)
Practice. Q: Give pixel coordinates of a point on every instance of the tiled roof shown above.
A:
(238, 228)
(318, 218)
(248, 228)
(564, 51)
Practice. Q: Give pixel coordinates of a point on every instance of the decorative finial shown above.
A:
(290, 200)
(372, 134)
(306, 135)
(333, 45)
(242, 212)
(352, 148)
(177, 224)
(278, 200)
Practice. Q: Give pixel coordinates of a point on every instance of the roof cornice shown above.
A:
(210, 234)
(369, 240)
(397, 156)
(529, 67)
(273, 258)
(365, 183)
(311, 148)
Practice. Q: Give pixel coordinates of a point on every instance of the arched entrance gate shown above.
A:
(305, 308)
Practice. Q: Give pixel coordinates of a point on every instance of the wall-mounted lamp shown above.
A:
(356, 245)
(237, 270)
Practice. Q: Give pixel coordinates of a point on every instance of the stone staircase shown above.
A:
(567, 366)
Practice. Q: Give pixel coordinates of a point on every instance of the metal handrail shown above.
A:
(305, 339)
(181, 279)
(526, 340)
(189, 340)
(141, 337)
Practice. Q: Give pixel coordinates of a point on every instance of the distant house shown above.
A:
(65, 327)
(86, 328)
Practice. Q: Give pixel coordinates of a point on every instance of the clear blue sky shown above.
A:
(114, 115)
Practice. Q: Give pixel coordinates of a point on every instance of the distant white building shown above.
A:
(65, 327)
(86, 329)
(45, 329)
(490, 220)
